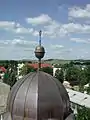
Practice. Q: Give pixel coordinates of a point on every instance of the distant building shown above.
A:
(35, 65)
(19, 69)
(2, 71)
(54, 70)
(67, 85)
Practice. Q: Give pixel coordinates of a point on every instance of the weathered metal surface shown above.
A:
(39, 52)
(70, 117)
(4, 91)
(5, 116)
(38, 96)
(78, 98)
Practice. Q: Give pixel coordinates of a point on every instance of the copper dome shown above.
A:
(38, 96)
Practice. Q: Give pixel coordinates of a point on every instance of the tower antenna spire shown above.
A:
(40, 33)
(39, 51)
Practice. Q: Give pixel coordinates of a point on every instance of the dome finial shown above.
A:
(39, 51)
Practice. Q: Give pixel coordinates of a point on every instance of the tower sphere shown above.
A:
(39, 52)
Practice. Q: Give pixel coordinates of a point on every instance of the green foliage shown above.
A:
(83, 113)
(66, 66)
(72, 74)
(88, 73)
(10, 77)
(87, 89)
(4, 63)
(48, 70)
(59, 74)
(58, 65)
(57, 61)
(26, 69)
(82, 80)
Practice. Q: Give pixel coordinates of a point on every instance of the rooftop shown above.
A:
(35, 65)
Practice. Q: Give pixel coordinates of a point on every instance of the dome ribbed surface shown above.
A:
(38, 96)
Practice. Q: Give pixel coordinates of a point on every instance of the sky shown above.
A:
(65, 26)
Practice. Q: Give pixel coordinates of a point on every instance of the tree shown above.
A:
(48, 70)
(85, 79)
(88, 89)
(88, 73)
(83, 113)
(26, 69)
(59, 74)
(58, 65)
(82, 80)
(72, 74)
(10, 77)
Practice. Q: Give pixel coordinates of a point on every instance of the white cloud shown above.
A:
(65, 53)
(42, 19)
(76, 28)
(18, 43)
(17, 28)
(22, 30)
(23, 42)
(53, 29)
(80, 40)
(60, 30)
(86, 52)
(7, 24)
(78, 12)
(35, 33)
(20, 37)
(17, 49)
(57, 46)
